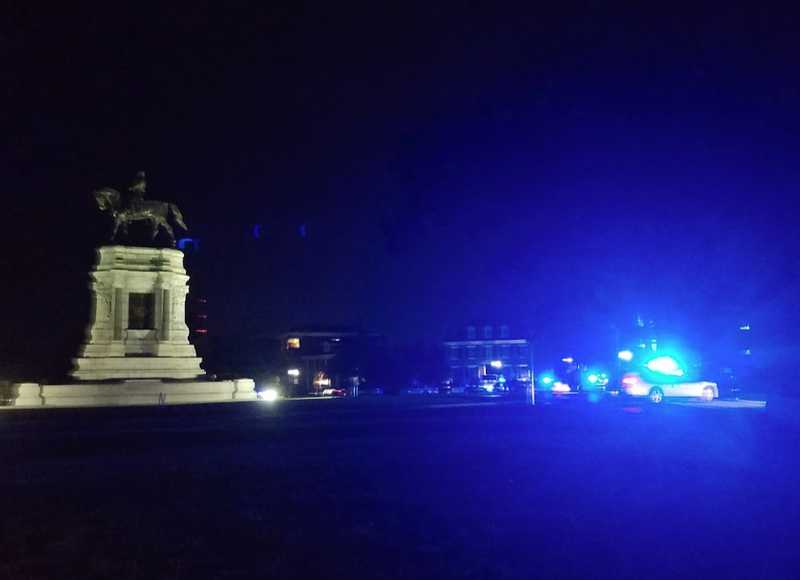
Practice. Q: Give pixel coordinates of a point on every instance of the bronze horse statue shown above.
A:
(137, 209)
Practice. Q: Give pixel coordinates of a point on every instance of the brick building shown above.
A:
(488, 350)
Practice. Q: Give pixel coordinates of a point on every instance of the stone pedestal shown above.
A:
(130, 392)
(138, 328)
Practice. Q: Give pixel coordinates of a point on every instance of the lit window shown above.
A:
(292, 343)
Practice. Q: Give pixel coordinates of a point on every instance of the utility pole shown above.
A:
(532, 398)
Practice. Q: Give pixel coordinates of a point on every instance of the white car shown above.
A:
(634, 385)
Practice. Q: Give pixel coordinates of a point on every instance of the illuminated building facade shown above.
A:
(328, 357)
(488, 350)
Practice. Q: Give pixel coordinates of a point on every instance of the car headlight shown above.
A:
(559, 387)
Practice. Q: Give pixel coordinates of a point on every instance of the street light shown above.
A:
(269, 395)
(295, 374)
(625, 355)
(497, 364)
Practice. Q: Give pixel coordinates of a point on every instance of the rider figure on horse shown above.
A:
(136, 191)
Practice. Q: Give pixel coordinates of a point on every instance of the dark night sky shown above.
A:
(559, 168)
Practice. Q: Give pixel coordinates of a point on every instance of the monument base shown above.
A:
(136, 367)
(134, 392)
(138, 328)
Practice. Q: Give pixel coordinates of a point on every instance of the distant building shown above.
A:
(488, 350)
(320, 358)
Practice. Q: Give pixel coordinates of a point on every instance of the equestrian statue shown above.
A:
(134, 208)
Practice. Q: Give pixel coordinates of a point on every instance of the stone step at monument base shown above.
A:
(119, 350)
(136, 367)
(131, 392)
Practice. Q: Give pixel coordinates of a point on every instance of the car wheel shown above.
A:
(708, 394)
(656, 395)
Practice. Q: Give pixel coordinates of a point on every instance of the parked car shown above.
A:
(419, 389)
(565, 378)
(455, 389)
(664, 376)
(593, 379)
(634, 385)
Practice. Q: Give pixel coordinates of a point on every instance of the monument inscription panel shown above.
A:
(141, 311)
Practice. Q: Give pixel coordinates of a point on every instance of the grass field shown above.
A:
(395, 487)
